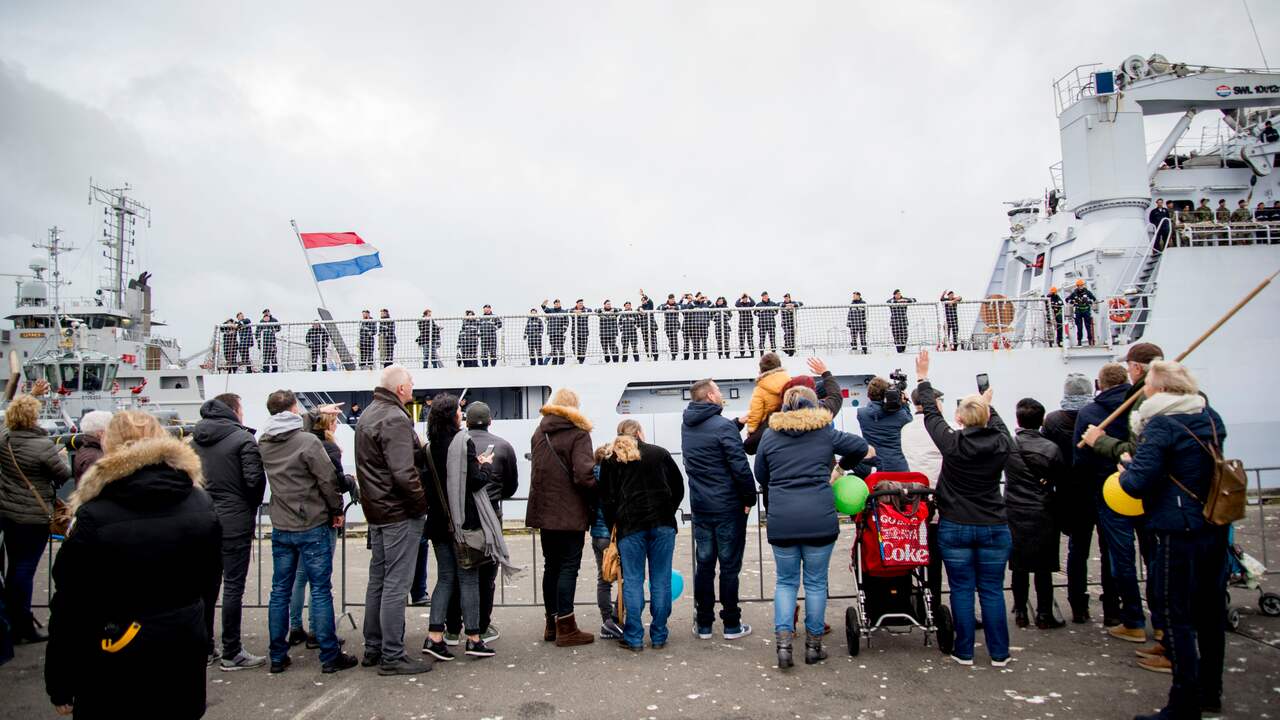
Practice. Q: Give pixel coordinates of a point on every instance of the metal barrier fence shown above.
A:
(343, 599)
(599, 336)
(1218, 235)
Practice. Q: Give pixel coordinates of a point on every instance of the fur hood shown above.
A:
(128, 460)
(794, 422)
(573, 415)
(767, 373)
(623, 449)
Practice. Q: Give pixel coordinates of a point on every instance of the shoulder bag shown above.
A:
(470, 552)
(1226, 500)
(60, 516)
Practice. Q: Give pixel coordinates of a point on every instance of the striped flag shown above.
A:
(335, 255)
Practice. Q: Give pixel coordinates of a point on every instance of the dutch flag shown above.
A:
(335, 255)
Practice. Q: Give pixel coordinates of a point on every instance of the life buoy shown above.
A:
(997, 314)
(1120, 312)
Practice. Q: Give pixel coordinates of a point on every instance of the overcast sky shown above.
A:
(508, 152)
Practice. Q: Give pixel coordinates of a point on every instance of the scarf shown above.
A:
(281, 423)
(1075, 402)
(1164, 404)
(495, 547)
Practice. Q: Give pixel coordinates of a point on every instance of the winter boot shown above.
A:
(1020, 617)
(813, 652)
(568, 634)
(549, 634)
(782, 641)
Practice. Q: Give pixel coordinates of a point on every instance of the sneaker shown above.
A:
(1133, 635)
(657, 646)
(279, 667)
(609, 630)
(1002, 662)
(628, 646)
(420, 601)
(962, 661)
(1080, 617)
(1047, 621)
(342, 662)
(297, 636)
(313, 643)
(404, 666)
(371, 658)
(1158, 664)
(733, 633)
(437, 650)
(490, 634)
(477, 648)
(452, 639)
(242, 661)
(702, 633)
(214, 657)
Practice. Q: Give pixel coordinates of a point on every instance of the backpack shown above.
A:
(1227, 487)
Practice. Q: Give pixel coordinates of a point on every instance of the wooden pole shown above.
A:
(1124, 407)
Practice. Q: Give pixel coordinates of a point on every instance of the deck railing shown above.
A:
(1226, 234)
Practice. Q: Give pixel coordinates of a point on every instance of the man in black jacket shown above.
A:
(387, 333)
(648, 326)
(235, 482)
(857, 323)
(628, 321)
(1158, 217)
(746, 321)
(671, 325)
(268, 328)
(368, 334)
(581, 319)
(490, 324)
(767, 321)
(244, 342)
(1031, 474)
(789, 323)
(317, 340)
(533, 337)
(557, 325)
(609, 331)
(898, 324)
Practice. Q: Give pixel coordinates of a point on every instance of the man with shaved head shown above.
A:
(387, 458)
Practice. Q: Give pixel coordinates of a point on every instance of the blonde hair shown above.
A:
(129, 427)
(325, 424)
(630, 428)
(799, 397)
(1171, 377)
(973, 411)
(564, 397)
(23, 413)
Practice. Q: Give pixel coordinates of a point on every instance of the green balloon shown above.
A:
(851, 494)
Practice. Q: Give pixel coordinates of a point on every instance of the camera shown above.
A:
(895, 395)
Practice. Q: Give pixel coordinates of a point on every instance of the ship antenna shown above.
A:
(54, 247)
(118, 235)
(1249, 15)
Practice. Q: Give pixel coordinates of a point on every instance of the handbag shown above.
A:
(470, 551)
(60, 516)
(610, 560)
(1226, 500)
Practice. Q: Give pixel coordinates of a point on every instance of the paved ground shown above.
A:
(1076, 672)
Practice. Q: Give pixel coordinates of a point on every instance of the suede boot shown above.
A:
(568, 634)
(549, 634)
(813, 652)
(782, 641)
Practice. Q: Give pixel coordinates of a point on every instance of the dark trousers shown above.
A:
(488, 352)
(1189, 585)
(557, 349)
(650, 339)
(388, 351)
(770, 331)
(789, 338)
(609, 346)
(561, 558)
(580, 347)
(629, 346)
(858, 337)
(24, 545)
(673, 340)
(1044, 591)
(722, 339)
(366, 353)
(421, 570)
(899, 328)
(242, 357)
(1078, 544)
(317, 360)
(535, 352)
(722, 541)
(951, 335)
(746, 339)
(269, 362)
(1084, 325)
(235, 568)
(1057, 327)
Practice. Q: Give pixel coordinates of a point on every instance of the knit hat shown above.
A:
(478, 415)
(1144, 353)
(1077, 392)
(805, 380)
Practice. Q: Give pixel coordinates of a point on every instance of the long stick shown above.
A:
(310, 271)
(1124, 407)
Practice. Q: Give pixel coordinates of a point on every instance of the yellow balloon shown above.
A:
(1119, 500)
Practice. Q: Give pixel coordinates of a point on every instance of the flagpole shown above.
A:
(310, 271)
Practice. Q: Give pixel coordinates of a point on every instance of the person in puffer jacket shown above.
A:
(794, 465)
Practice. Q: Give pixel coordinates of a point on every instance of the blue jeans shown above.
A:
(309, 549)
(815, 560)
(655, 547)
(723, 540)
(975, 557)
(421, 571)
(300, 590)
(1121, 533)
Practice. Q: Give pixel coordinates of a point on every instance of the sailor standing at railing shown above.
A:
(468, 340)
(268, 328)
(721, 318)
(317, 339)
(489, 326)
(429, 340)
(533, 337)
(244, 342)
(387, 333)
(609, 331)
(557, 324)
(767, 322)
(746, 339)
(950, 310)
(1053, 312)
(1157, 217)
(648, 325)
(368, 331)
(628, 321)
(857, 323)
(1082, 300)
(671, 324)
(898, 319)
(581, 317)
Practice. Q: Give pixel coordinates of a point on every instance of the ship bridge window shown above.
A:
(110, 377)
(93, 376)
(70, 378)
(34, 373)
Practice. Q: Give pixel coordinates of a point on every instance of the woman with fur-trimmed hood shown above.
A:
(793, 467)
(560, 505)
(127, 636)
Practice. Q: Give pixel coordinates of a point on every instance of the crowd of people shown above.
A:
(161, 524)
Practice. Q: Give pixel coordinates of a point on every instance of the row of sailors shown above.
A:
(1206, 214)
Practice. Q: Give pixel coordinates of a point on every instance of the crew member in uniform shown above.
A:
(857, 323)
(628, 321)
(1053, 312)
(244, 342)
(789, 323)
(898, 319)
(1157, 218)
(671, 324)
(1082, 301)
(387, 333)
(268, 328)
(648, 325)
(368, 331)
(608, 331)
(581, 316)
(951, 316)
(489, 325)
(746, 323)
(429, 340)
(767, 322)
(557, 325)
(316, 339)
(1204, 213)
(721, 320)
(468, 340)
(533, 337)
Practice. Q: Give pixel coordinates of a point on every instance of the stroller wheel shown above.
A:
(1269, 604)
(853, 630)
(946, 630)
(1233, 619)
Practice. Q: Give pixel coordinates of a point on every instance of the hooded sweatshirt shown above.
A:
(232, 467)
(304, 484)
(720, 482)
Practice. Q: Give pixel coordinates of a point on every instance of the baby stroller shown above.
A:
(1244, 571)
(890, 564)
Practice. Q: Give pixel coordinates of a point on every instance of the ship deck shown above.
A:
(1075, 672)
